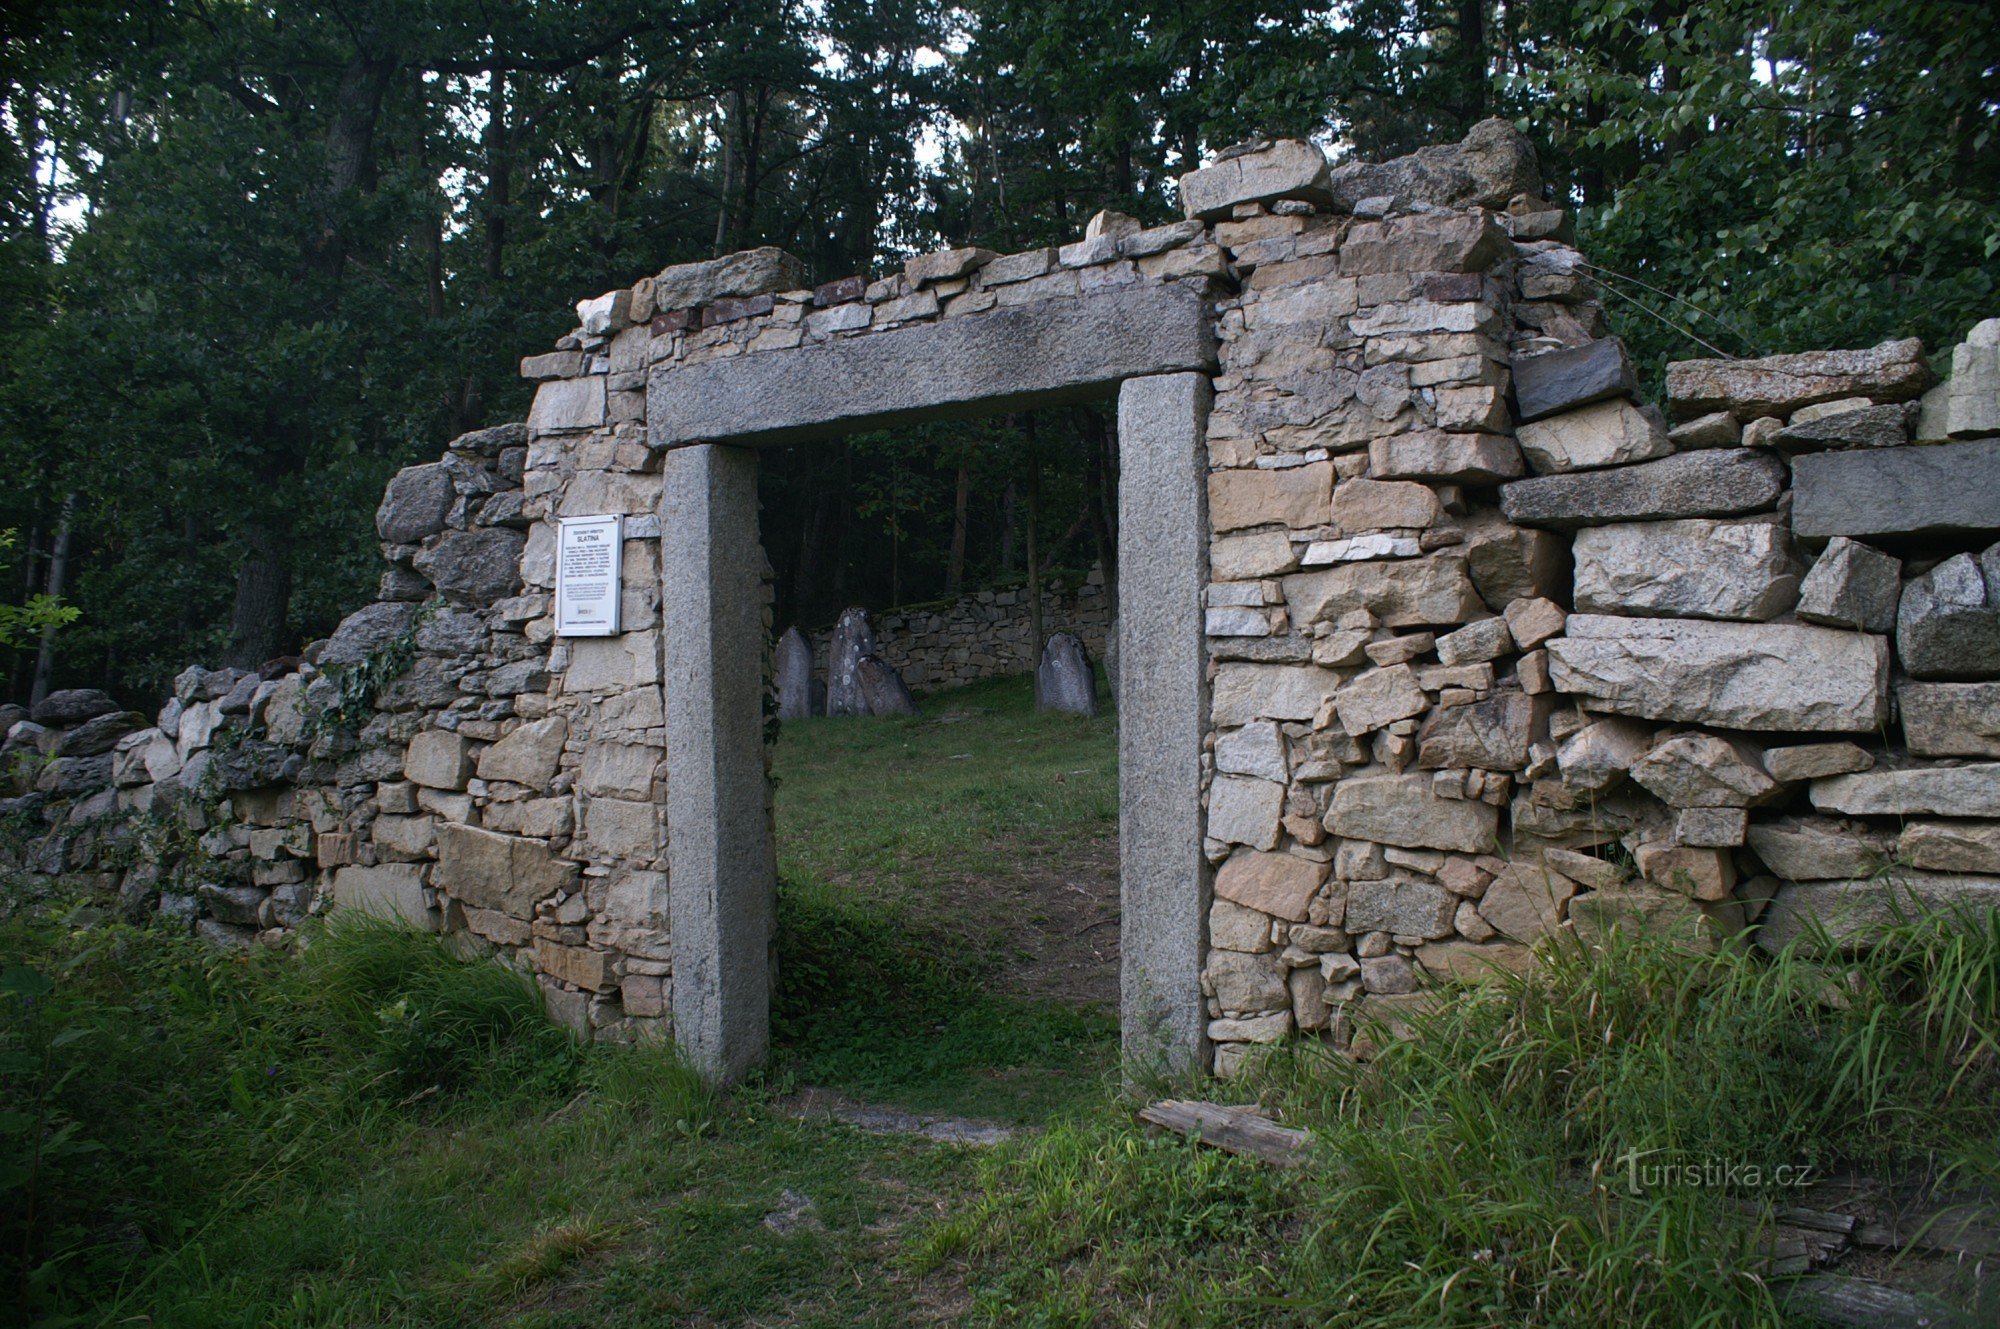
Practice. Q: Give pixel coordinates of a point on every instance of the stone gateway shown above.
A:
(1437, 640)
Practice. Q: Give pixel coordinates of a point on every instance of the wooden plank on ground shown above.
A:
(1235, 1130)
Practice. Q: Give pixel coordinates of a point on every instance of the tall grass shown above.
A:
(1598, 1142)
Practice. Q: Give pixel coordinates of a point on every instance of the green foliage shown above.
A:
(1524, 1155)
(355, 687)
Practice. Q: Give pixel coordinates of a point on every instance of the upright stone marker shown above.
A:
(1064, 681)
(722, 881)
(795, 677)
(1164, 880)
(853, 638)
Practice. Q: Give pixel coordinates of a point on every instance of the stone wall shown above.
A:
(984, 634)
(1494, 647)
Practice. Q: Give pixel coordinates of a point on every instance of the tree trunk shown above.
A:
(263, 600)
(350, 153)
(1471, 62)
(45, 658)
(499, 181)
(1008, 522)
(954, 572)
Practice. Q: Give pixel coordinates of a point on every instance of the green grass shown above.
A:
(1480, 1172)
(378, 1132)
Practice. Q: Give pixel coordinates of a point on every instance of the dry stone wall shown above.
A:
(1495, 648)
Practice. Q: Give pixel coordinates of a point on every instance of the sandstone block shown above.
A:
(1375, 505)
(1950, 719)
(1852, 586)
(1951, 846)
(1526, 901)
(1256, 749)
(1948, 622)
(623, 828)
(1509, 563)
(1718, 429)
(1818, 848)
(1469, 459)
(1557, 381)
(1245, 811)
(390, 890)
(1401, 906)
(1810, 761)
(1687, 569)
(1691, 484)
(1379, 697)
(1944, 490)
(1765, 676)
(575, 965)
(1298, 496)
(528, 756)
(1696, 770)
(1403, 810)
(1281, 885)
(1971, 790)
(1424, 242)
(1780, 384)
(1862, 426)
(500, 872)
(564, 405)
(1403, 593)
(1492, 735)
(1285, 169)
(764, 271)
(1235, 927)
(1703, 874)
(438, 759)
(1257, 554)
(1532, 620)
(1853, 912)
(1476, 643)
(1246, 692)
(1606, 433)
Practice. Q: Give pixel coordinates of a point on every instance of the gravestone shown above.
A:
(795, 678)
(882, 688)
(853, 638)
(1065, 681)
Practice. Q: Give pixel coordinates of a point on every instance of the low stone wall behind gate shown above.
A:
(1495, 648)
(984, 634)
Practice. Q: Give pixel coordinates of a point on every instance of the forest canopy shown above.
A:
(256, 257)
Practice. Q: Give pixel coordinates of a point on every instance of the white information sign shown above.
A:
(589, 569)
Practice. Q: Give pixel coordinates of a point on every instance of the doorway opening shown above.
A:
(946, 839)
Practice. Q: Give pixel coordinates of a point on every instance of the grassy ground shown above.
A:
(375, 1133)
(381, 1135)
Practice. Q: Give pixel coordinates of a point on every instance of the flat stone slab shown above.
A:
(1939, 489)
(1692, 484)
(1695, 568)
(1971, 790)
(1760, 676)
(1563, 380)
(1950, 719)
(1031, 355)
(1856, 911)
(1780, 384)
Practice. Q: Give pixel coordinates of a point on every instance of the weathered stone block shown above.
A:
(1950, 719)
(1780, 384)
(1854, 912)
(1246, 692)
(564, 405)
(1298, 496)
(1711, 828)
(1863, 426)
(1948, 622)
(1692, 484)
(1241, 981)
(750, 272)
(1494, 163)
(1402, 593)
(1687, 569)
(1379, 697)
(1942, 490)
(415, 504)
(1244, 811)
(478, 566)
(1257, 554)
(613, 664)
(1403, 810)
(1696, 770)
(528, 756)
(1810, 761)
(1951, 846)
(1852, 586)
(1766, 676)
(1605, 433)
(1235, 927)
(1376, 505)
(1971, 790)
(1400, 906)
(501, 872)
(1598, 756)
(1818, 848)
(1424, 242)
(1281, 885)
(1492, 735)
(1639, 911)
(1526, 901)
(575, 965)
(1557, 381)
(1470, 459)
(391, 890)
(438, 759)
(1287, 168)
(622, 828)
(1704, 874)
